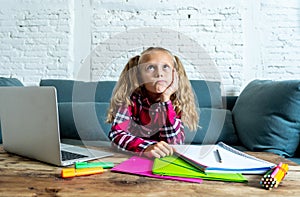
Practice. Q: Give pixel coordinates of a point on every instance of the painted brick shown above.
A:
(231, 41)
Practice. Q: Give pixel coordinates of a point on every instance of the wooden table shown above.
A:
(23, 177)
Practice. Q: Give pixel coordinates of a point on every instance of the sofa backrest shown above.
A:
(76, 96)
(208, 93)
(82, 107)
(8, 82)
(79, 91)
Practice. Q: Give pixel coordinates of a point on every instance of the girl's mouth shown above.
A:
(161, 81)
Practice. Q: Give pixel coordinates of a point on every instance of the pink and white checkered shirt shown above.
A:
(141, 124)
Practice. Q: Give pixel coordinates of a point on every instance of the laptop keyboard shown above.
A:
(70, 156)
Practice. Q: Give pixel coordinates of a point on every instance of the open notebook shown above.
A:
(221, 158)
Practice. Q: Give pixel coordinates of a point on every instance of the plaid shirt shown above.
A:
(141, 124)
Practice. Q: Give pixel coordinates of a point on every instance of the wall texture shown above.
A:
(35, 39)
(232, 41)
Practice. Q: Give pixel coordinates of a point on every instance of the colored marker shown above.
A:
(276, 170)
(72, 172)
(282, 174)
(80, 165)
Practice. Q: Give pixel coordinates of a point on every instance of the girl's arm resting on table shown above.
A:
(127, 142)
(160, 149)
(123, 139)
(150, 149)
(171, 132)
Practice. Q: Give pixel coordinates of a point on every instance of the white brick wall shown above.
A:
(281, 39)
(272, 49)
(233, 41)
(215, 29)
(35, 40)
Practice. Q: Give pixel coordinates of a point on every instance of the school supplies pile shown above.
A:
(172, 168)
(221, 158)
(85, 168)
(192, 163)
(274, 176)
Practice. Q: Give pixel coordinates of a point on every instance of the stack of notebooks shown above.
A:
(192, 163)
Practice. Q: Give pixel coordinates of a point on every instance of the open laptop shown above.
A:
(30, 127)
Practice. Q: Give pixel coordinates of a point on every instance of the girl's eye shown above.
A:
(167, 67)
(150, 68)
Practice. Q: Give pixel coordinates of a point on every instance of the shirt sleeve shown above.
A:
(123, 139)
(172, 131)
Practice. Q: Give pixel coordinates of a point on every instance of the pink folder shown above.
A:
(143, 166)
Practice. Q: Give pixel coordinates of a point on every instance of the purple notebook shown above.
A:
(143, 166)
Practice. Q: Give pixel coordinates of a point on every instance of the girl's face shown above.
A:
(156, 68)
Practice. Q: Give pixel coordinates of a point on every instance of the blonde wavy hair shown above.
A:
(183, 99)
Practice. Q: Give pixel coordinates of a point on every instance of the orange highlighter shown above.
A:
(72, 172)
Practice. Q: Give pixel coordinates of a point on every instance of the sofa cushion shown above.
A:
(80, 91)
(8, 82)
(208, 93)
(83, 120)
(215, 125)
(267, 118)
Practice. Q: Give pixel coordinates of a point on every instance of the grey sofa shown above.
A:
(264, 117)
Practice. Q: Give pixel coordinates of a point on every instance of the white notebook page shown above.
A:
(231, 159)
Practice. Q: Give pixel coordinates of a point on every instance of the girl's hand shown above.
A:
(158, 150)
(171, 89)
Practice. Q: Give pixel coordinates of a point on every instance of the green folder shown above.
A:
(174, 166)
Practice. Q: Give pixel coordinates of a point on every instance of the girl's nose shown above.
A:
(159, 72)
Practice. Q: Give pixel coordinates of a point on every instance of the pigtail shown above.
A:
(128, 82)
(185, 98)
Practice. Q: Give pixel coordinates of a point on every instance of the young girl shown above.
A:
(151, 103)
